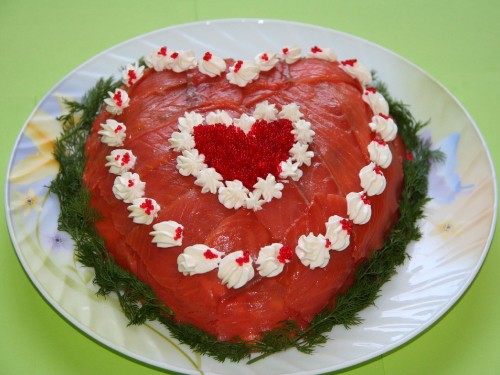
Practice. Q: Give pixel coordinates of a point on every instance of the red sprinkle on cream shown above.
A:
(178, 234)
(384, 116)
(131, 77)
(378, 170)
(130, 183)
(285, 51)
(328, 243)
(365, 199)
(379, 141)
(118, 128)
(209, 254)
(125, 159)
(316, 49)
(349, 62)
(174, 55)
(285, 254)
(373, 90)
(147, 206)
(118, 98)
(162, 51)
(264, 57)
(237, 66)
(207, 56)
(346, 225)
(244, 259)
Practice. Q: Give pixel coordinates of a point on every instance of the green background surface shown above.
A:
(456, 42)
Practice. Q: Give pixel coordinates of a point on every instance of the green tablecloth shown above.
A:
(457, 42)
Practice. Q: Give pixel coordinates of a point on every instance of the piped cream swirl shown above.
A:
(167, 234)
(128, 187)
(313, 251)
(143, 210)
(236, 269)
(359, 208)
(338, 232)
(372, 179)
(197, 259)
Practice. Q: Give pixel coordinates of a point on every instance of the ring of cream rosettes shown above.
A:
(236, 268)
(233, 194)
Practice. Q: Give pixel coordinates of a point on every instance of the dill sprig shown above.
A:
(140, 303)
(137, 300)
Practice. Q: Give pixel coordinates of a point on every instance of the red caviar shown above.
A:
(132, 77)
(147, 206)
(346, 225)
(245, 157)
(237, 66)
(162, 51)
(125, 159)
(207, 56)
(365, 199)
(244, 259)
(349, 62)
(178, 234)
(316, 49)
(285, 254)
(118, 98)
(209, 254)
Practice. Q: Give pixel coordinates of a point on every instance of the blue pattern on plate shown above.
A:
(444, 182)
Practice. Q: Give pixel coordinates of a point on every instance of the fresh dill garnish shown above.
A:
(140, 303)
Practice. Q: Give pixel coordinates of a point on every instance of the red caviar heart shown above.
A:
(245, 157)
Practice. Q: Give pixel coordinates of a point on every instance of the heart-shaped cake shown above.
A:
(245, 193)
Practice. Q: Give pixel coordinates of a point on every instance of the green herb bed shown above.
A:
(140, 303)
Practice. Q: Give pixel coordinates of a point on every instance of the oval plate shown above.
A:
(442, 264)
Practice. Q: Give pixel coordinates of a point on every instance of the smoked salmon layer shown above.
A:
(332, 102)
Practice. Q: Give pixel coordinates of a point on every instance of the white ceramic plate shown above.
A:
(442, 264)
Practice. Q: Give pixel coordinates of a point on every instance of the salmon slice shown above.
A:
(280, 213)
(239, 231)
(161, 111)
(307, 71)
(314, 219)
(155, 83)
(316, 177)
(254, 310)
(196, 300)
(199, 213)
(121, 253)
(217, 92)
(309, 291)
